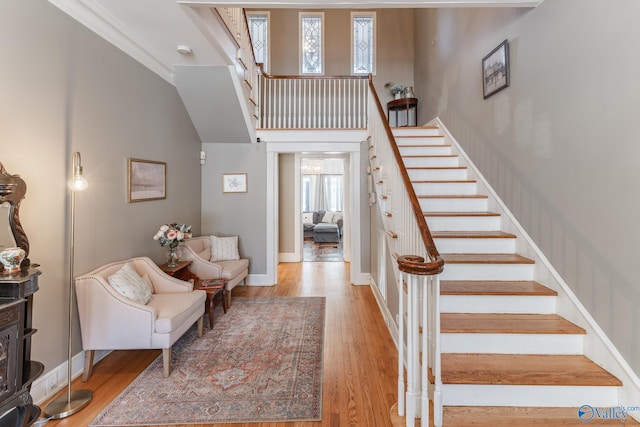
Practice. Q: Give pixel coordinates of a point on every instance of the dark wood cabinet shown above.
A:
(17, 370)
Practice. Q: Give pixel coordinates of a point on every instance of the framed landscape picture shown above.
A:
(146, 180)
(234, 183)
(495, 70)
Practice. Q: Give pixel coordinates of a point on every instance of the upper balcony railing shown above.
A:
(311, 102)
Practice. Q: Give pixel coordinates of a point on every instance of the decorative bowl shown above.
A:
(11, 259)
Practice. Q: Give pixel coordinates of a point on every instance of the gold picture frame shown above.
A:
(234, 182)
(146, 180)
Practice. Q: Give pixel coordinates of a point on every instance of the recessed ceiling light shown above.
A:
(184, 49)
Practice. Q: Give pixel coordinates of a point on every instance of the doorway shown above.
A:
(322, 193)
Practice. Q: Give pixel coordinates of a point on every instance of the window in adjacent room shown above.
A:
(363, 42)
(259, 29)
(311, 43)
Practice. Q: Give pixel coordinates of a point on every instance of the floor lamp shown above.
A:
(72, 402)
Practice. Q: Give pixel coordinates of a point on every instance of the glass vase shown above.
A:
(173, 257)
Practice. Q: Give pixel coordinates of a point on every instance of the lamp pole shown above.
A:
(72, 402)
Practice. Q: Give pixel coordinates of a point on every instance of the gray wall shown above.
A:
(394, 45)
(560, 145)
(64, 89)
(241, 214)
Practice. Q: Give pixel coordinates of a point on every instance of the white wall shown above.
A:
(559, 145)
(64, 89)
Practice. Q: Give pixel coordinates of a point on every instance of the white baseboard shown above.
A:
(360, 279)
(288, 257)
(44, 387)
(384, 310)
(259, 280)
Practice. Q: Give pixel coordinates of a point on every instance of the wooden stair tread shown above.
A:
(430, 127)
(524, 369)
(435, 167)
(457, 416)
(460, 214)
(420, 156)
(445, 181)
(500, 323)
(494, 287)
(486, 259)
(453, 196)
(472, 235)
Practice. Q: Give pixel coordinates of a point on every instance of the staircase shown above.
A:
(507, 358)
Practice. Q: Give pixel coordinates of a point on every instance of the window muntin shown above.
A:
(259, 29)
(311, 43)
(363, 46)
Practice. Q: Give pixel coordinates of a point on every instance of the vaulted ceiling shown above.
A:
(150, 31)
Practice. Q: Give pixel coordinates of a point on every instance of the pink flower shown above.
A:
(172, 234)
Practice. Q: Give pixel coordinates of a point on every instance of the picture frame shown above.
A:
(495, 70)
(234, 183)
(146, 180)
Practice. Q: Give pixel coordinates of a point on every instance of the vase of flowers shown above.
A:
(172, 235)
(396, 90)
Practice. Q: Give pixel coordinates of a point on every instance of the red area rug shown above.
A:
(262, 362)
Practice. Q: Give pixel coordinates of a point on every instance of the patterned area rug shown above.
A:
(262, 362)
(322, 252)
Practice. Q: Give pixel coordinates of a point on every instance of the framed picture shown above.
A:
(146, 180)
(495, 70)
(234, 183)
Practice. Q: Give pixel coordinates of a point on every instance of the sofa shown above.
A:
(322, 226)
(113, 316)
(218, 260)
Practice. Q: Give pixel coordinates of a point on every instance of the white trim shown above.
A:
(260, 280)
(597, 346)
(356, 275)
(302, 15)
(288, 257)
(384, 310)
(57, 377)
(297, 188)
(374, 41)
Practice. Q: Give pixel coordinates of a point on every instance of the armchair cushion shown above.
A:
(224, 248)
(172, 312)
(130, 285)
(233, 268)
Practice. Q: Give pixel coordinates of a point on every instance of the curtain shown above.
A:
(322, 192)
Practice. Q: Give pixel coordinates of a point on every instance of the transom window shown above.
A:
(363, 38)
(259, 29)
(311, 43)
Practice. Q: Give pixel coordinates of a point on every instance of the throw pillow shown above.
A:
(336, 217)
(328, 217)
(128, 283)
(317, 216)
(224, 248)
(307, 218)
(149, 283)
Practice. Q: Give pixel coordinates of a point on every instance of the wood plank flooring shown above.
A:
(360, 359)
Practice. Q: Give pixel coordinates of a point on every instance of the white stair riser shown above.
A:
(517, 395)
(463, 223)
(510, 304)
(412, 131)
(445, 188)
(454, 205)
(570, 344)
(422, 150)
(429, 162)
(487, 272)
(475, 246)
(437, 174)
(421, 140)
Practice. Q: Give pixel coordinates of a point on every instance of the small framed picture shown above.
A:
(234, 183)
(495, 70)
(146, 180)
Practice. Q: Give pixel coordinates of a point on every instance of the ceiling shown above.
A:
(151, 30)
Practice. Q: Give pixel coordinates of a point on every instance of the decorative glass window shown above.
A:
(311, 43)
(363, 45)
(259, 30)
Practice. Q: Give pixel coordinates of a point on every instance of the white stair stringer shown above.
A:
(448, 191)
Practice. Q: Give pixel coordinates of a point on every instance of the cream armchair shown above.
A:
(198, 251)
(109, 321)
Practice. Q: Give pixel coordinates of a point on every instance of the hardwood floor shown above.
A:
(360, 359)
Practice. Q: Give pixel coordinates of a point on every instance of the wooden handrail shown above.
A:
(409, 263)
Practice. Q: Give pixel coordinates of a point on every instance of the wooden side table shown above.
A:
(403, 104)
(177, 271)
